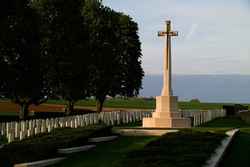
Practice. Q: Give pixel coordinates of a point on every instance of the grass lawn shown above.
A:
(186, 148)
(141, 104)
(113, 103)
(227, 122)
(239, 152)
(131, 103)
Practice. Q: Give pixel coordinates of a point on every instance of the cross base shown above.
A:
(166, 115)
(166, 123)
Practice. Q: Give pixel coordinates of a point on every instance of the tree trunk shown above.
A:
(99, 105)
(69, 108)
(24, 110)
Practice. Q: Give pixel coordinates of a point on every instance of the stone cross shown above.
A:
(167, 74)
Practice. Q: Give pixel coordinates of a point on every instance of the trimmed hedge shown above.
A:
(3, 140)
(45, 145)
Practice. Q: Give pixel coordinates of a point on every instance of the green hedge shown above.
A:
(45, 145)
(3, 140)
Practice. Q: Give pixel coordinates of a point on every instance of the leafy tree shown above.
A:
(102, 26)
(132, 72)
(65, 48)
(112, 70)
(3, 74)
(20, 50)
(20, 54)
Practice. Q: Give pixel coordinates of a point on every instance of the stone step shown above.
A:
(102, 139)
(166, 122)
(143, 131)
(41, 163)
(75, 149)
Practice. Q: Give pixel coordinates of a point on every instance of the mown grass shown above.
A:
(107, 154)
(188, 148)
(226, 122)
(130, 103)
(185, 148)
(139, 103)
(113, 103)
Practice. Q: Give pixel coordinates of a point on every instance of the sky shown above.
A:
(214, 35)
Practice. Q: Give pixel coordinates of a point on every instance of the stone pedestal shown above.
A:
(166, 115)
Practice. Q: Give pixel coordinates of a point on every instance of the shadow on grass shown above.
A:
(142, 151)
(239, 152)
(107, 154)
(182, 149)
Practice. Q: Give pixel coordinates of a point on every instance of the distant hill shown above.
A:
(207, 88)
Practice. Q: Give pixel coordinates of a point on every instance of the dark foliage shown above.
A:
(68, 49)
(115, 53)
(20, 54)
(65, 48)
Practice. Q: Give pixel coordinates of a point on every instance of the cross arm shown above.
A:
(173, 33)
(164, 33)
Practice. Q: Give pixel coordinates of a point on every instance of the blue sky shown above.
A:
(214, 35)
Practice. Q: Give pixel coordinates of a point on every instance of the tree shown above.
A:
(111, 56)
(65, 48)
(3, 67)
(20, 52)
(102, 25)
(132, 72)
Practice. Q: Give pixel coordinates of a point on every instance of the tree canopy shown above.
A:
(65, 48)
(116, 52)
(72, 49)
(20, 53)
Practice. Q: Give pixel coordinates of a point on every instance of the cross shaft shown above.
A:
(167, 74)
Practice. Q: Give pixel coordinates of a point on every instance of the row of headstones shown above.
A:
(119, 118)
(24, 129)
(202, 117)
